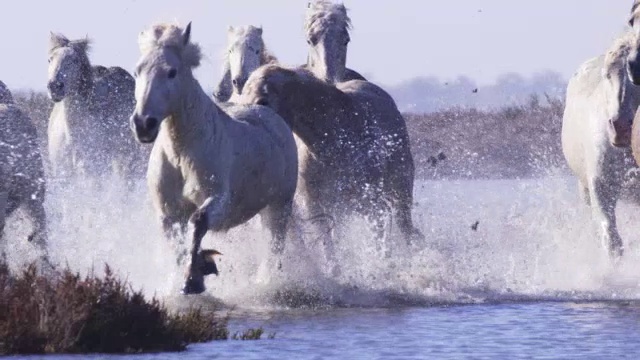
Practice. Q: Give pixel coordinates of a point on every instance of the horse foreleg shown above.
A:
(210, 216)
(603, 205)
(173, 234)
(35, 210)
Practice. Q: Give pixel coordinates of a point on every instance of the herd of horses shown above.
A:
(318, 137)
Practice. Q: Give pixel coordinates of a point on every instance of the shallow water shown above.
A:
(531, 281)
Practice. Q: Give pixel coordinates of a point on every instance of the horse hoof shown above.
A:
(193, 287)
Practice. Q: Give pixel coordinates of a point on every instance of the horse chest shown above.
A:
(197, 186)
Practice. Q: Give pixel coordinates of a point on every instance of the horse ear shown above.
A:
(57, 40)
(231, 29)
(259, 28)
(186, 34)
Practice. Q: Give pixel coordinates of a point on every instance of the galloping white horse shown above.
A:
(327, 30)
(213, 167)
(22, 182)
(600, 106)
(356, 153)
(88, 126)
(246, 52)
(633, 69)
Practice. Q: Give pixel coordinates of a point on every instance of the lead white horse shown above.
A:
(327, 28)
(213, 167)
(88, 129)
(246, 52)
(600, 106)
(22, 182)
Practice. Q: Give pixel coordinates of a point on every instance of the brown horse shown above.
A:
(355, 155)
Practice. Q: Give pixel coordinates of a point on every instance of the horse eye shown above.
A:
(257, 52)
(172, 73)
(313, 40)
(263, 102)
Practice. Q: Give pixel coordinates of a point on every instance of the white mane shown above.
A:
(616, 56)
(57, 41)
(323, 14)
(169, 35)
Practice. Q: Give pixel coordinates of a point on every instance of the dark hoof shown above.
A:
(193, 287)
(208, 262)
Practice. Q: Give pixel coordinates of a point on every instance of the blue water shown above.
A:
(543, 330)
(530, 282)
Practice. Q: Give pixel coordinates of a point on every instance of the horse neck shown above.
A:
(314, 98)
(197, 118)
(76, 108)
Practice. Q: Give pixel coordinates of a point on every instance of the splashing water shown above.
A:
(532, 241)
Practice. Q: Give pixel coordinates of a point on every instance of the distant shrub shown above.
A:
(67, 313)
(508, 142)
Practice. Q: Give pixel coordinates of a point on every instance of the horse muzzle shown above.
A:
(145, 128)
(620, 130)
(56, 90)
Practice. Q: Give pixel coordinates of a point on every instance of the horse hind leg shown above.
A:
(402, 198)
(276, 218)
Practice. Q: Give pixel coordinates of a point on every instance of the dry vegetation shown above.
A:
(67, 313)
(510, 142)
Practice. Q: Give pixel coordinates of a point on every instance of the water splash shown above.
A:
(532, 241)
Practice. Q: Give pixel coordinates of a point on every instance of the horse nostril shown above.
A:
(60, 85)
(151, 122)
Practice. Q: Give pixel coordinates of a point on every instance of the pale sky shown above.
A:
(392, 40)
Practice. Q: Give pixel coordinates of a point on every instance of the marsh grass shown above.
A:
(67, 313)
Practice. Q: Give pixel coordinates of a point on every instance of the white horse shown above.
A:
(633, 69)
(327, 31)
(88, 127)
(22, 182)
(246, 52)
(213, 167)
(600, 105)
(355, 153)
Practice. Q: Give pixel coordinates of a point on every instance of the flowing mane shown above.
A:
(617, 54)
(169, 35)
(322, 15)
